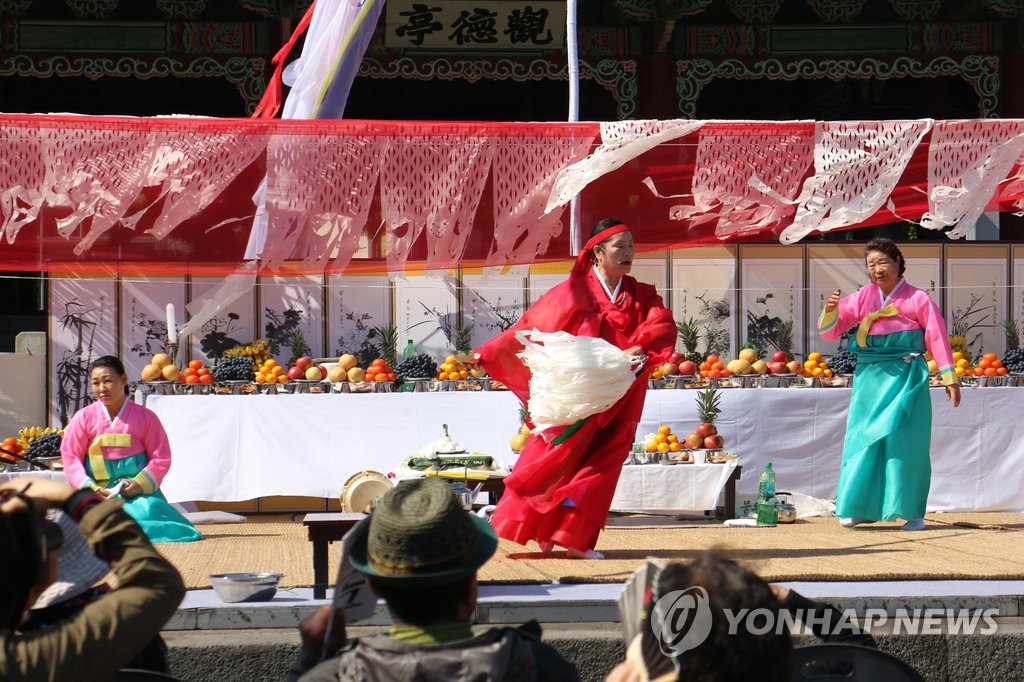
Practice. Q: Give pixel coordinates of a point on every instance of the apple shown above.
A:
(313, 373)
(669, 369)
(295, 373)
(778, 368)
(780, 356)
(676, 358)
(693, 441)
(795, 367)
(714, 442)
(304, 363)
(706, 429)
(688, 367)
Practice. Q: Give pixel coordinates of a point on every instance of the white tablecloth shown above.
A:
(678, 488)
(231, 448)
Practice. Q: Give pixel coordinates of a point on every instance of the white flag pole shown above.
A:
(575, 237)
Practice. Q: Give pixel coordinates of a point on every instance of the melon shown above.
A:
(748, 354)
(739, 366)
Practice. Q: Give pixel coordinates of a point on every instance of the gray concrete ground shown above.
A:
(210, 640)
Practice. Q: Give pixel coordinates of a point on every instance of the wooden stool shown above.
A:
(323, 529)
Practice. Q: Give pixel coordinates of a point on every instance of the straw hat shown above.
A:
(420, 536)
(78, 569)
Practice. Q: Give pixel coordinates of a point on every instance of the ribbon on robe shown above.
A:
(865, 324)
(99, 465)
(583, 260)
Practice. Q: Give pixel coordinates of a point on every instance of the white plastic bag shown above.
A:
(572, 377)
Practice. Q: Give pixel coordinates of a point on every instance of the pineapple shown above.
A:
(387, 338)
(785, 338)
(688, 334)
(1011, 330)
(299, 347)
(707, 411)
(707, 406)
(463, 338)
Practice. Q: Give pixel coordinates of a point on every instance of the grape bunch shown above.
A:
(420, 366)
(235, 368)
(46, 445)
(843, 362)
(1013, 361)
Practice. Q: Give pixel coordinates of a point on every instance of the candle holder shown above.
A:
(172, 351)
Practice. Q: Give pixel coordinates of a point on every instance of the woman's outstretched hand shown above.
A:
(833, 301)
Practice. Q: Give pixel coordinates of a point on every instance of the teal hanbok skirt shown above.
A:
(886, 470)
(159, 520)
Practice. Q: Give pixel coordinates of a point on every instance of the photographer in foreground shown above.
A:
(98, 640)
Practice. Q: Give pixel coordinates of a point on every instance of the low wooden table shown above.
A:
(728, 508)
(323, 529)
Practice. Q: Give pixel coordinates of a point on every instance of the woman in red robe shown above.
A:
(562, 486)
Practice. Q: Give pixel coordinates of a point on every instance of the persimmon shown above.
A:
(195, 364)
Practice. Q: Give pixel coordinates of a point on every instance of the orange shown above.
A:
(260, 378)
(381, 376)
(715, 373)
(191, 378)
(810, 364)
(957, 355)
(989, 357)
(282, 379)
(663, 447)
(195, 364)
(665, 429)
(815, 356)
(673, 438)
(979, 371)
(1001, 371)
(990, 371)
(674, 447)
(817, 372)
(997, 363)
(202, 371)
(270, 362)
(206, 378)
(650, 446)
(190, 371)
(379, 362)
(660, 438)
(717, 365)
(712, 359)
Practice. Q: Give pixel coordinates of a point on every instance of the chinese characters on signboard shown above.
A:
(489, 25)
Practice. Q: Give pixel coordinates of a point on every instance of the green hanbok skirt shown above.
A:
(886, 470)
(159, 520)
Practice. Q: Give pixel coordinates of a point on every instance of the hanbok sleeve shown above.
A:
(73, 448)
(935, 338)
(657, 333)
(158, 451)
(832, 325)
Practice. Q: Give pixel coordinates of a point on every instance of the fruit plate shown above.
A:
(306, 385)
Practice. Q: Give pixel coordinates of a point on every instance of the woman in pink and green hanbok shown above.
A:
(886, 469)
(115, 441)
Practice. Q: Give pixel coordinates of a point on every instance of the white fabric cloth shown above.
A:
(233, 448)
(667, 489)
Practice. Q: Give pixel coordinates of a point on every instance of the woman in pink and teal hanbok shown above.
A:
(886, 469)
(114, 440)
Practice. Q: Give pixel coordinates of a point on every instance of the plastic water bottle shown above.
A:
(410, 351)
(767, 512)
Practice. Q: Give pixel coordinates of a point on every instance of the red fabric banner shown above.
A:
(84, 193)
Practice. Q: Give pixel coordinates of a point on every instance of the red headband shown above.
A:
(582, 260)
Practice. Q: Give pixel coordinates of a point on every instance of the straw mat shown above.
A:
(982, 546)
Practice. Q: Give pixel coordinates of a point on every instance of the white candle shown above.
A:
(172, 328)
